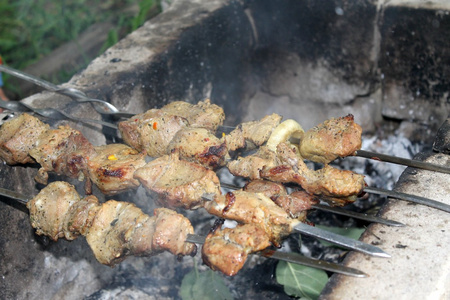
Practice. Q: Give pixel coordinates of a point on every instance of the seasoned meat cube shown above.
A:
(227, 249)
(251, 166)
(171, 231)
(200, 146)
(295, 204)
(337, 186)
(203, 114)
(121, 229)
(252, 208)
(18, 136)
(55, 151)
(111, 168)
(332, 139)
(252, 134)
(178, 183)
(48, 210)
(151, 131)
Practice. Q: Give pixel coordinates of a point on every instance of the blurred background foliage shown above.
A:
(31, 29)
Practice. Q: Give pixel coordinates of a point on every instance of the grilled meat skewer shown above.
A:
(113, 230)
(111, 110)
(192, 238)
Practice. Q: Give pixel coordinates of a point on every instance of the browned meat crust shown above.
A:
(203, 114)
(18, 136)
(332, 139)
(253, 208)
(178, 183)
(113, 230)
(252, 134)
(227, 249)
(199, 145)
(111, 168)
(54, 151)
(335, 185)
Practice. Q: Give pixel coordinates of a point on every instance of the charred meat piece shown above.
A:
(335, 185)
(227, 249)
(332, 139)
(203, 114)
(253, 208)
(252, 134)
(114, 230)
(55, 151)
(178, 183)
(18, 136)
(200, 146)
(151, 131)
(111, 168)
(295, 204)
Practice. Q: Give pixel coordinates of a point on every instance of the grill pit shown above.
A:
(302, 59)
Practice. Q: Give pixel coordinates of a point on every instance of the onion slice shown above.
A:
(283, 132)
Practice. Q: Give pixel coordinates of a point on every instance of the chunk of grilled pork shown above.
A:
(227, 249)
(178, 183)
(253, 208)
(63, 151)
(199, 145)
(151, 131)
(200, 115)
(18, 136)
(111, 168)
(331, 139)
(252, 134)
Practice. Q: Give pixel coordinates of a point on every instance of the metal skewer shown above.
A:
(339, 211)
(330, 237)
(403, 161)
(409, 197)
(194, 238)
(101, 106)
(50, 113)
(295, 258)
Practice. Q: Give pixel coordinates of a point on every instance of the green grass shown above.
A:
(31, 29)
